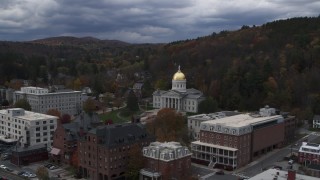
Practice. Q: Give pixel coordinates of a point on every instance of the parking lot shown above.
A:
(30, 170)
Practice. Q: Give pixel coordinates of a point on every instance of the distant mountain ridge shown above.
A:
(82, 41)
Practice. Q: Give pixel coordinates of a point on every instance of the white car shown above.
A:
(290, 162)
(3, 166)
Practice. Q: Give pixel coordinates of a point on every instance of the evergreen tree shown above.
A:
(23, 103)
(208, 105)
(132, 101)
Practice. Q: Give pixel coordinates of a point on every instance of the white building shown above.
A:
(316, 121)
(66, 101)
(30, 127)
(179, 97)
(167, 151)
(195, 121)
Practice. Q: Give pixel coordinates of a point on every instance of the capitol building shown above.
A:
(178, 97)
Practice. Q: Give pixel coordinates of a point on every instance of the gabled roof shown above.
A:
(174, 93)
(316, 117)
(158, 92)
(190, 93)
(84, 121)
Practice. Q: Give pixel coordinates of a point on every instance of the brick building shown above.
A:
(66, 136)
(26, 155)
(234, 141)
(195, 121)
(290, 125)
(166, 161)
(309, 153)
(103, 152)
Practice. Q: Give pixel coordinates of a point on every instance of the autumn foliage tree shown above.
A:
(66, 118)
(169, 125)
(54, 112)
(89, 106)
(42, 173)
(135, 162)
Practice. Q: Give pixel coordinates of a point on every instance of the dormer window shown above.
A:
(233, 131)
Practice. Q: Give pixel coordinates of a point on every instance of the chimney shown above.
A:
(291, 175)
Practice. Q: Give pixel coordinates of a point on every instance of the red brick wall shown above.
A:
(97, 159)
(242, 143)
(178, 169)
(268, 136)
(58, 140)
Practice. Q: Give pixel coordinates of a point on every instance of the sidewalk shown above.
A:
(257, 160)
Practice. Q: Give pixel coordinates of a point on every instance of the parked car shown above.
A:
(221, 172)
(21, 173)
(8, 169)
(290, 162)
(27, 174)
(50, 166)
(277, 167)
(3, 166)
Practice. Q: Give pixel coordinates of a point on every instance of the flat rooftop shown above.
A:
(28, 115)
(282, 175)
(7, 140)
(213, 145)
(242, 120)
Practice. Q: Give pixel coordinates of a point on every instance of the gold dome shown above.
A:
(179, 76)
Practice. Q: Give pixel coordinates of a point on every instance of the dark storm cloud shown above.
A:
(141, 20)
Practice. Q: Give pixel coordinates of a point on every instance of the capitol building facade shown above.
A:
(178, 97)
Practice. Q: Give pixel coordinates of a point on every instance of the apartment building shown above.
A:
(168, 160)
(104, 151)
(29, 128)
(41, 100)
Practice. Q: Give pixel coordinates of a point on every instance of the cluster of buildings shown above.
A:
(228, 139)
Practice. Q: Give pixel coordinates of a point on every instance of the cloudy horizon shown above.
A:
(141, 21)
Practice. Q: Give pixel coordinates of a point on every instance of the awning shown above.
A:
(55, 151)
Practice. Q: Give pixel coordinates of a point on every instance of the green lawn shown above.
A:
(113, 115)
(124, 116)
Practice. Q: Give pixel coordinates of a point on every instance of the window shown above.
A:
(44, 128)
(37, 129)
(37, 134)
(51, 127)
(37, 123)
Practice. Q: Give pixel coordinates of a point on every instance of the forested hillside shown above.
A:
(277, 64)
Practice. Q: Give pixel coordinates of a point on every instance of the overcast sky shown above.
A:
(141, 21)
